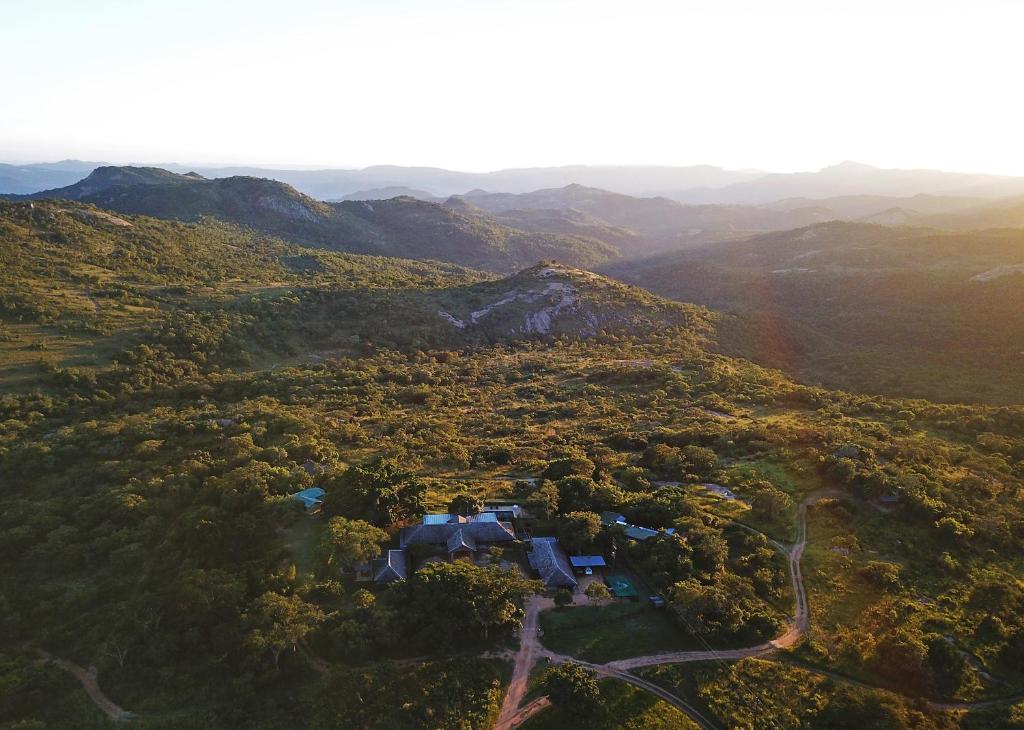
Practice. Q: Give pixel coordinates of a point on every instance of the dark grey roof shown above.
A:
(461, 540)
(551, 564)
(475, 527)
(391, 566)
(312, 468)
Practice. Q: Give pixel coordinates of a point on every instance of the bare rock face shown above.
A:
(288, 208)
(537, 302)
(551, 299)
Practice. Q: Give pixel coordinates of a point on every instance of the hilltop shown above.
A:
(696, 184)
(553, 299)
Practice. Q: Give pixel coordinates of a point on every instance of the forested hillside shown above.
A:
(169, 385)
(904, 311)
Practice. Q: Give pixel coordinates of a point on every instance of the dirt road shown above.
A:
(529, 651)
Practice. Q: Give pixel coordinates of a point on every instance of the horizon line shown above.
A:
(283, 167)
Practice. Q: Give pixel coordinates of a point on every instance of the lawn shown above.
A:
(623, 707)
(301, 538)
(614, 631)
(795, 481)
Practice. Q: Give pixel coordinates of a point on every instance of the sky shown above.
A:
(479, 85)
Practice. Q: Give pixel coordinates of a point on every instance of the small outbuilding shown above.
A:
(312, 499)
(633, 532)
(585, 564)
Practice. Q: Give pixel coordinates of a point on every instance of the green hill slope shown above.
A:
(78, 284)
(893, 310)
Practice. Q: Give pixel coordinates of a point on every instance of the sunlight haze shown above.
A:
(483, 85)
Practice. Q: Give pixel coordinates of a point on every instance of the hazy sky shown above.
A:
(478, 84)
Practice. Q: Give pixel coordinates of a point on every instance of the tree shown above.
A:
(634, 479)
(363, 599)
(563, 597)
(573, 688)
(664, 461)
(446, 603)
(662, 508)
(379, 492)
(597, 591)
(348, 543)
(709, 548)
(952, 530)
(766, 499)
(727, 609)
(465, 504)
(577, 530)
(578, 465)
(699, 461)
(902, 658)
(881, 574)
(280, 622)
(575, 493)
(666, 558)
(949, 667)
(544, 501)
(705, 610)
(855, 709)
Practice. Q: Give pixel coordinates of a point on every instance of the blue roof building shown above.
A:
(312, 499)
(587, 561)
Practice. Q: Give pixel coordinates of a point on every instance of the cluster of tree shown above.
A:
(434, 695)
(379, 492)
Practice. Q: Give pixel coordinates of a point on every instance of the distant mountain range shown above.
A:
(24, 179)
(698, 184)
(502, 232)
(852, 178)
(664, 223)
(402, 227)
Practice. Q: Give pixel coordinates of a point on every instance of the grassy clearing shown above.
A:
(301, 539)
(794, 479)
(743, 694)
(615, 631)
(622, 706)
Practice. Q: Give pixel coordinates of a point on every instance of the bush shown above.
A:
(563, 597)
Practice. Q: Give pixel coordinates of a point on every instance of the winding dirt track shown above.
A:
(87, 678)
(530, 649)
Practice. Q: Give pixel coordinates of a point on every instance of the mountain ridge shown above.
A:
(401, 226)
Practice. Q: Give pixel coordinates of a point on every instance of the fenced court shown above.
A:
(621, 586)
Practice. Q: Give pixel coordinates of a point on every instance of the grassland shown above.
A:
(604, 633)
(624, 707)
